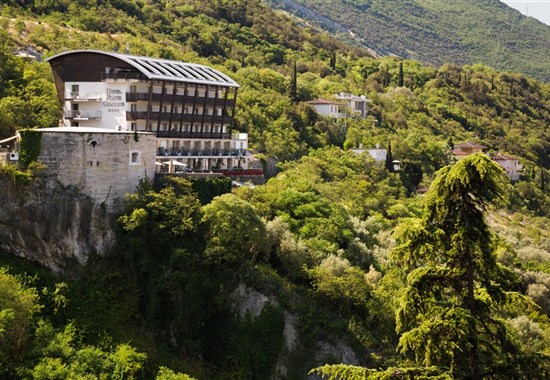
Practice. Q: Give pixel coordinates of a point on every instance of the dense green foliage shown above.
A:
(448, 314)
(29, 146)
(310, 248)
(436, 32)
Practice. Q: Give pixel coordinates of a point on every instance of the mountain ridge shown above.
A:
(461, 32)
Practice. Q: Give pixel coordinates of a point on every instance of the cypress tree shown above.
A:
(333, 61)
(389, 159)
(294, 85)
(401, 82)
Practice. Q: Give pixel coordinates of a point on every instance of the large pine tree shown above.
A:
(448, 315)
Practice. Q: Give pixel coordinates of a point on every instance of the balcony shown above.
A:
(130, 76)
(137, 96)
(82, 115)
(178, 99)
(203, 153)
(193, 135)
(176, 117)
(78, 97)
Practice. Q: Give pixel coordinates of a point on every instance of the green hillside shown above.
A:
(436, 32)
(336, 258)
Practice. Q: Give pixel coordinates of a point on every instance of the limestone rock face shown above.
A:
(54, 226)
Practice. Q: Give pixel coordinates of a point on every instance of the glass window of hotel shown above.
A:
(75, 89)
(133, 126)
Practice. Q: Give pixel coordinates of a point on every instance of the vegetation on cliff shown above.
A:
(313, 245)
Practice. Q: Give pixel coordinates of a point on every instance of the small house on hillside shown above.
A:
(466, 148)
(511, 165)
(377, 153)
(357, 104)
(327, 107)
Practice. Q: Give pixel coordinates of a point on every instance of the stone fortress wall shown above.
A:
(104, 165)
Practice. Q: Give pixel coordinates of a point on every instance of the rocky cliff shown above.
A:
(52, 225)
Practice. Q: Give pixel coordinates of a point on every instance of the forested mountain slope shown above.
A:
(436, 32)
(310, 268)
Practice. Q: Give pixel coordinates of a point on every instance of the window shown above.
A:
(134, 158)
(133, 89)
(133, 126)
(164, 109)
(175, 109)
(75, 89)
(133, 107)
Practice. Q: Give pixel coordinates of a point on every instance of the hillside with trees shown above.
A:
(335, 266)
(435, 32)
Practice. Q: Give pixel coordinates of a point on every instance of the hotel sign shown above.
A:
(114, 100)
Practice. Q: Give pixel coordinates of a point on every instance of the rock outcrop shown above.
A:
(52, 225)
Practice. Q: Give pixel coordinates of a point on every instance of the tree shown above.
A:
(18, 304)
(389, 158)
(401, 80)
(167, 374)
(235, 233)
(293, 91)
(448, 311)
(332, 62)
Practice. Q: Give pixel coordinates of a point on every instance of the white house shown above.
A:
(511, 165)
(376, 153)
(327, 107)
(357, 104)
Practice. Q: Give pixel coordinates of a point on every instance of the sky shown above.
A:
(539, 9)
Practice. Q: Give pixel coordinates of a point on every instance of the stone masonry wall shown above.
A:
(102, 165)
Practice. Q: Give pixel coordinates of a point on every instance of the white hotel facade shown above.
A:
(189, 107)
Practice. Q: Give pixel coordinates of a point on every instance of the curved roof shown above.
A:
(164, 69)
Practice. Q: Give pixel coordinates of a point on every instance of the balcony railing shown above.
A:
(122, 76)
(82, 115)
(176, 117)
(137, 96)
(192, 153)
(75, 96)
(194, 135)
(178, 99)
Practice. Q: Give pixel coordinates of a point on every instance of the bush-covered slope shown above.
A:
(436, 32)
(274, 280)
